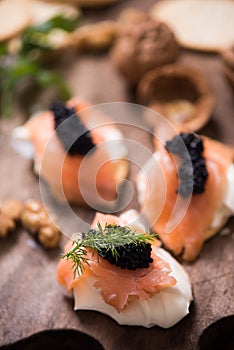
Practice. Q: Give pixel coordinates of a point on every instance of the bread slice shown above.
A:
(42, 12)
(198, 24)
(14, 17)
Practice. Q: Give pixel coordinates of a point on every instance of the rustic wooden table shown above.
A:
(30, 298)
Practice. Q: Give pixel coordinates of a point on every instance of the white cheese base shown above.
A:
(229, 196)
(164, 309)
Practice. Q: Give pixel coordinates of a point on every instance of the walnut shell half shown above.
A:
(179, 93)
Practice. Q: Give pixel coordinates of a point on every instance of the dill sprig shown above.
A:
(21, 60)
(103, 239)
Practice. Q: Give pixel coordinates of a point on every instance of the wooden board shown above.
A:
(30, 298)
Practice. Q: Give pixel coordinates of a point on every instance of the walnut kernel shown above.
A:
(142, 45)
(35, 219)
(6, 225)
(12, 208)
(49, 236)
(95, 37)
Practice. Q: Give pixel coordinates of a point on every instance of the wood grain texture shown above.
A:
(30, 298)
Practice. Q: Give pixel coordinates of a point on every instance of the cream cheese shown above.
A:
(164, 309)
(229, 195)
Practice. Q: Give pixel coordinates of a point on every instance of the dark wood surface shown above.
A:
(30, 298)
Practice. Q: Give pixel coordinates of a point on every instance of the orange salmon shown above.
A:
(63, 171)
(188, 237)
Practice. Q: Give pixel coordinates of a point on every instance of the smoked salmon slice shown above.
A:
(197, 222)
(76, 178)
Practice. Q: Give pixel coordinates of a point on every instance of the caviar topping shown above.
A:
(75, 137)
(128, 256)
(120, 245)
(193, 172)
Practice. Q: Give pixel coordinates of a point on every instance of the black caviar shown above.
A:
(76, 138)
(130, 256)
(193, 172)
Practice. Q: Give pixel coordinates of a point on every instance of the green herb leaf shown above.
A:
(25, 65)
(61, 22)
(58, 21)
(48, 79)
(21, 70)
(109, 237)
(37, 37)
(3, 49)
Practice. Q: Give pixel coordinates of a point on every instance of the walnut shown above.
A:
(31, 221)
(95, 37)
(33, 206)
(49, 236)
(180, 93)
(35, 219)
(6, 225)
(142, 46)
(10, 212)
(12, 208)
(33, 216)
